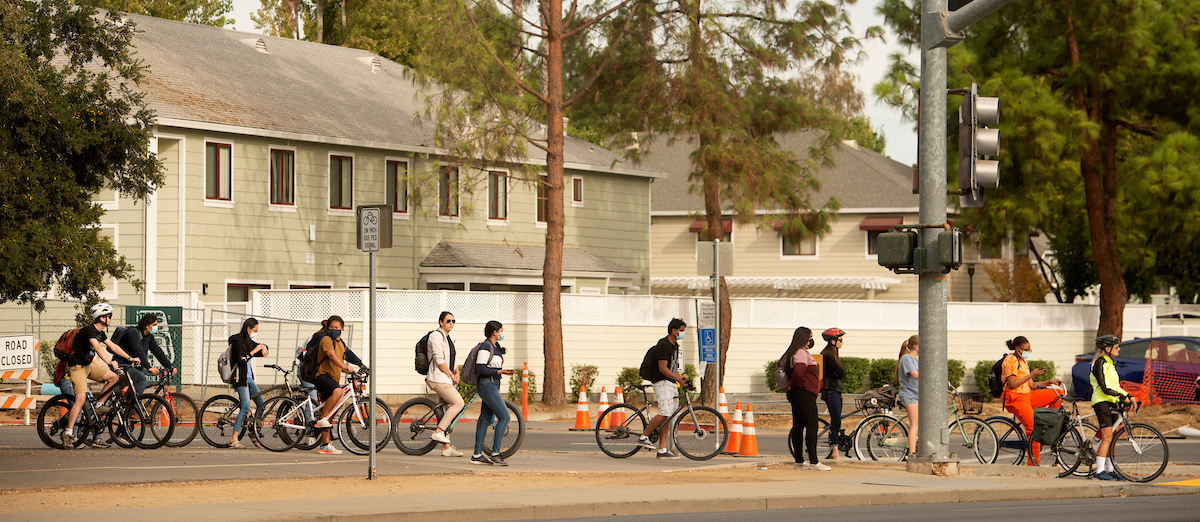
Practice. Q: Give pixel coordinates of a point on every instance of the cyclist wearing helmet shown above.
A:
(832, 385)
(89, 343)
(1106, 393)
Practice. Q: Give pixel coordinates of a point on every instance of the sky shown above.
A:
(901, 135)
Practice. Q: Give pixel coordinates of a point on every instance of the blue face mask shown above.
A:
(501, 338)
(680, 336)
(335, 333)
(154, 329)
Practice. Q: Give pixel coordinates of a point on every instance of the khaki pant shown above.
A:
(80, 374)
(454, 401)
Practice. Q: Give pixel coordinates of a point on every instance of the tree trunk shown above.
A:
(1097, 165)
(320, 21)
(343, 12)
(554, 384)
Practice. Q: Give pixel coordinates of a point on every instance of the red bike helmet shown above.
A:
(832, 333)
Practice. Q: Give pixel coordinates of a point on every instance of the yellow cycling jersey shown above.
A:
(1111, 381)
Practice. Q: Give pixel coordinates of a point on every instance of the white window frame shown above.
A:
(537, 186)
(110, 205)
(220, 203)
(457, 218)
(498, 222)
(112, 292)
(398, 215)
(281, 207)
(582, 187)
(270, 284)
(801, 257)
(342, 212)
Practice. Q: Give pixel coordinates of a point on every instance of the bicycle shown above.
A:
(870, 406)
(219, 412)
(129, 419)
(417, 419)
(185, 410)
(884, 436)
(1012, 444)
(282, 423)
(705, 432)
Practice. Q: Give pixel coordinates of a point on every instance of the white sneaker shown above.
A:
(440, 437)
(451, 452)
(324, 423)
(818, 466)
(328, 450)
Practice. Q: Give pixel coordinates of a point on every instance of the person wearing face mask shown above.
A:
(139, 342)
(661, 368)
(330, 365)
(244, 348)
(1020, 397)
(802, 394)
(489, 366)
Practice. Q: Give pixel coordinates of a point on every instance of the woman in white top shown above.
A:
(442, 378)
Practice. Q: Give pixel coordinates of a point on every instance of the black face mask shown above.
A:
(811, 343)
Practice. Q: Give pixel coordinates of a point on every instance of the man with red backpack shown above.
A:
(88, 344)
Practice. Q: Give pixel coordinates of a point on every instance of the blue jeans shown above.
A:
(312, 395)
(833, 402)
(139, 379)
(493, 407)
(244, 393)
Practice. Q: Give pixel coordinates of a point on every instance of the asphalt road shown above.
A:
(1141, 509)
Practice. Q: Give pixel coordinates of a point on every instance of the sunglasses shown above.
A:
(450, 321)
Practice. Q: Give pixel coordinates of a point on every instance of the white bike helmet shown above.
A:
(101, 310)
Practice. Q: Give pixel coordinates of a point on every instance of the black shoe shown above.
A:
(96, 444)
(481, 460)
(497, 460)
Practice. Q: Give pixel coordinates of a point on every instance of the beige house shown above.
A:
(269, 144)
(875, 193)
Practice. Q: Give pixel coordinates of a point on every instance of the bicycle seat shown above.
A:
(643, 386)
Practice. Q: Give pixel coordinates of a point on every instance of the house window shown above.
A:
(806, 246)
(576, 191)
(703, 236)
(397, 186)
(283, 175)
(873, 241)
(239, 292)
(218, 175)
(542, 198)
(497, 195)
(448, 191)
(341, 182)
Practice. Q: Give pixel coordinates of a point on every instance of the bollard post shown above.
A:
(525, 392)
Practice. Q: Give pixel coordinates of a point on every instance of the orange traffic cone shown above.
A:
(603, 406)
(618, 415)
(583, 418)
(749, 447)
(722, 406)
(735, 432)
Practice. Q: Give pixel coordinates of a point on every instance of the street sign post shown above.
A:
(374, 233)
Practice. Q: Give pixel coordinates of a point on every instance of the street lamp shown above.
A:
(971, 280)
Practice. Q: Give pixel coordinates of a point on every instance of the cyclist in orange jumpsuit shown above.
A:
(1019, 396)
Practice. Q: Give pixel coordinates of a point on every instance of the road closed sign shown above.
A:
(17, 352)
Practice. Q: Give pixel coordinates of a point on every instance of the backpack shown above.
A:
(65, 347)
(996, 378)
(421, 356)
(469, 375)
(783, 378)
(225, 365)
(311, 361)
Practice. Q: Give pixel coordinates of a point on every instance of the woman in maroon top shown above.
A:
(805, 384)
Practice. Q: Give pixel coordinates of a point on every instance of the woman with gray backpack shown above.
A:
(488, 368)
(803, 384)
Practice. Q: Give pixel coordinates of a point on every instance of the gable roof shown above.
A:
(862, 180)
(498, 256)
(215, 79)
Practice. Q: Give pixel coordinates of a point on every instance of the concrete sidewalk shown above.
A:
(850, 483)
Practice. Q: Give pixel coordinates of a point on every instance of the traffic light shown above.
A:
(975, 143)
(897, 251)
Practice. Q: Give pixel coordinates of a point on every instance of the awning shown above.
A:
(701, 224)
(880, 223)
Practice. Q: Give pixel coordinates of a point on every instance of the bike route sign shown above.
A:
(170, 339)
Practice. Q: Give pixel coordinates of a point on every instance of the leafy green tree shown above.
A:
(867, 137)
(206, 12)
(69, 125)
(1099, 104)
(704, 71)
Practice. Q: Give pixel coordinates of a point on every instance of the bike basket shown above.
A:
(1048, 424)
(972, 407)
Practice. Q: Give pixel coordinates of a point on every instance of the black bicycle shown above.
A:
(145, 421)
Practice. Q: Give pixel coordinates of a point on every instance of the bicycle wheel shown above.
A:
(52, 420)
(280, 424)
(701, 433)
(1139, 452)
(414, 424)
(514, 433)
(883, 437)
(186, 415)
(155, 414)
(216, 419)
(619, 439)
(971, 436)
(822, 439)
(1010, 440)
(1087, 431)
(121, 433)
(1069, 451)
(355, 427)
